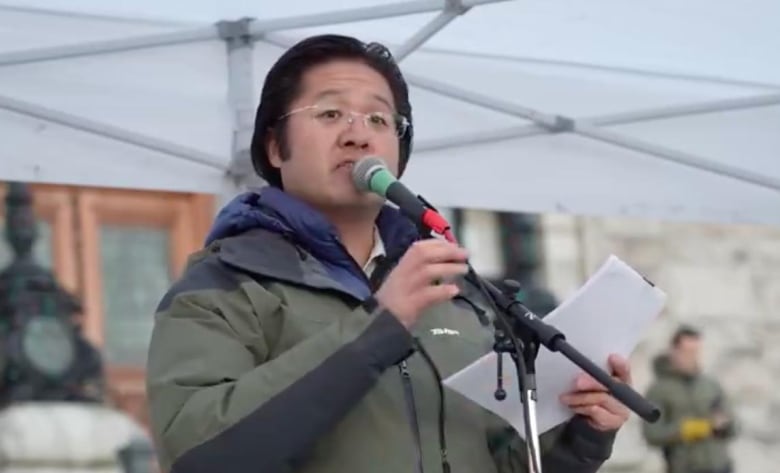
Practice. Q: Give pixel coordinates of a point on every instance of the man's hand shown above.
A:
(720, 421)
(592, 400)
(420, 279)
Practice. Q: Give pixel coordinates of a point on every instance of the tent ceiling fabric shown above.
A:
(660, 109)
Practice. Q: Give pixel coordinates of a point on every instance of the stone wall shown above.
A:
(723, 279)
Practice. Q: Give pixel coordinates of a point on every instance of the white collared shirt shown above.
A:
(377, 252)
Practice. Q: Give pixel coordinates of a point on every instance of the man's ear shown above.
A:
(272, 149)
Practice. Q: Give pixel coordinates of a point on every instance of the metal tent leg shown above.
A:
(241, 95)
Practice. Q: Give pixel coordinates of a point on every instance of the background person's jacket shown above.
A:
(269, 355)
(685, 434)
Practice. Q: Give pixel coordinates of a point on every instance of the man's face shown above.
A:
(340, 116)
(685, 355)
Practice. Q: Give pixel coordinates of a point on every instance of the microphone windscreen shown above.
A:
(364, 169)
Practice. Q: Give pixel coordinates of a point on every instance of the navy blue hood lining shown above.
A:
(274, 210)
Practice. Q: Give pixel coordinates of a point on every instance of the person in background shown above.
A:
(697, 421)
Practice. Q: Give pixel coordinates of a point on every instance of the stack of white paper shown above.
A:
(609, 314)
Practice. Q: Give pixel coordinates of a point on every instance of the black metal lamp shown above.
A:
(43, 356)
(138, 456)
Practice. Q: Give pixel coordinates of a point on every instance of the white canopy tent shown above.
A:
(661, 109)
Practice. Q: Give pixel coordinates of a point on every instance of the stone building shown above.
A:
(723, 279)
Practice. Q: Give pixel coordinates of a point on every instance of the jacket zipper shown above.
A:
(412, 411)
(445, 463)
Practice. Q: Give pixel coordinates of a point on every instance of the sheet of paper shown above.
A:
(610, 313)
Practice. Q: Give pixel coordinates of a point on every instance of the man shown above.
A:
(696, 420)
(308, 335)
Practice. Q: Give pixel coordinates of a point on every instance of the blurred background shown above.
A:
(117, 251)
(124, 128)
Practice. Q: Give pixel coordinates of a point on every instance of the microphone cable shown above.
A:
(520, 366)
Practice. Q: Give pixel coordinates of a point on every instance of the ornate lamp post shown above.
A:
(43, 355)
(523, 258)
(138, 457)
(520, 240)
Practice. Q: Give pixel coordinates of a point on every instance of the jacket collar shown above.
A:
(266, 232)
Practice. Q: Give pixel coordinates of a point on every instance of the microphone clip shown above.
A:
(513, 345)
(427, 204)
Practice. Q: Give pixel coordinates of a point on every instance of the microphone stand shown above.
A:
(526, 375)
(530, 327)
(527, 332)
(507, 343)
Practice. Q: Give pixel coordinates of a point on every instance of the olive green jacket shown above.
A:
(261, 361)
(683, 397)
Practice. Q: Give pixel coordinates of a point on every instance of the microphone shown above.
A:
(371, 174)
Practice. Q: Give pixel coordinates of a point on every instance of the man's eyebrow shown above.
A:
(327, 93)
(383, 100)
(337, 92)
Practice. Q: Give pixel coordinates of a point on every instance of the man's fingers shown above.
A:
(580, 399)
(431, 273)
(577, 400)
(615, 407)
(437, 251)
(590, 411)
(586, 382)
(599, 417)
(592, 401)
(435, 294)
(620, 368)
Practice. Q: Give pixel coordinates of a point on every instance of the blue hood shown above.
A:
(274, 210)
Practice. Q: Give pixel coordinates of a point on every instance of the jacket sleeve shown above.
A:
(666, 430)
(572, 447)
(725, 407)
(217, 399)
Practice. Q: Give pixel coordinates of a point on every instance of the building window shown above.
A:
(117, 251)
(135, 268)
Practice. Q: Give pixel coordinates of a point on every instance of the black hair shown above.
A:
(283, 83)
(685, 331)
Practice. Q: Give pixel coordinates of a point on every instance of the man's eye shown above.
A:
(329, 114)
(379, 119)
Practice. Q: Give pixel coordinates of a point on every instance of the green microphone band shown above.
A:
(380, 181)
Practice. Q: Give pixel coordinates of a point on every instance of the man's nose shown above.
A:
(356, 135)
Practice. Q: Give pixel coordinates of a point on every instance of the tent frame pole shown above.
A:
(110, 131)
(241, 95)
(211, 32)
(625, 118)
(240, 36)
(561, 123)
(92, 48)
(452, 10)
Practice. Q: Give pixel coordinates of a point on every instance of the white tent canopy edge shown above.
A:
(719, 179)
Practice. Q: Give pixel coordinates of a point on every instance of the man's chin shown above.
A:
(356, 203)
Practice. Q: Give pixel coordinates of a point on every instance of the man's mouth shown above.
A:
(346, 164)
